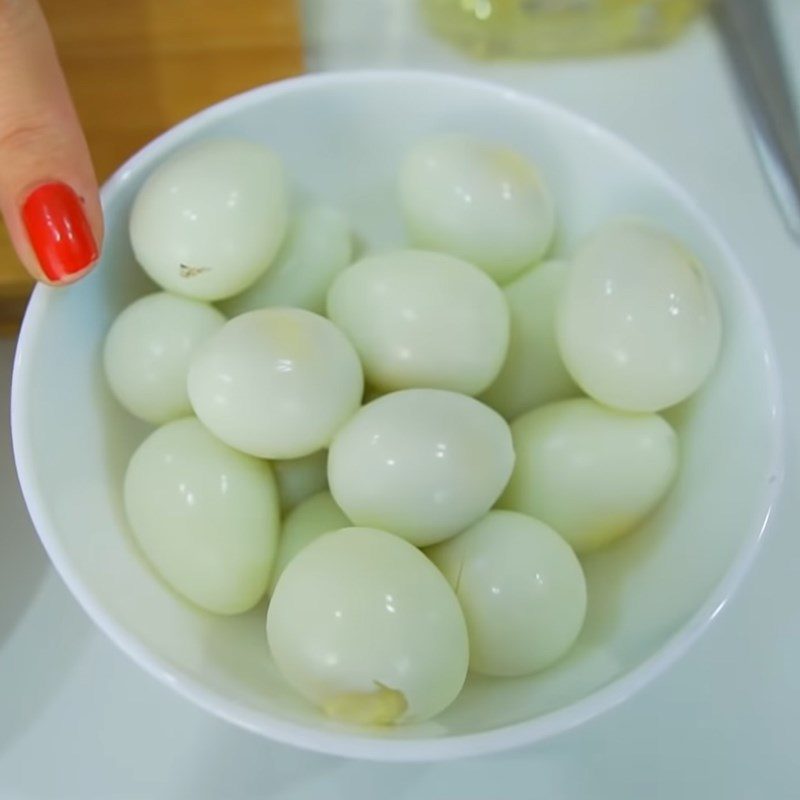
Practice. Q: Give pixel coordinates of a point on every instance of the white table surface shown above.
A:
(77, 720)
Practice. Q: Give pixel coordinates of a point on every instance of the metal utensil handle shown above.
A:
(755, 57)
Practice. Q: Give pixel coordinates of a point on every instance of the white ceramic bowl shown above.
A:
(342, 137)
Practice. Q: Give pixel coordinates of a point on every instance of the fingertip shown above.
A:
(59, 233)
(48, 190)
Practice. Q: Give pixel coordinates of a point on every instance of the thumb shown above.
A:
(48, 192)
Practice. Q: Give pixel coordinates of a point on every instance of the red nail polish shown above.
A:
(58, 231)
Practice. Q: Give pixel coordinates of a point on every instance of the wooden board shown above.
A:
(136, 67)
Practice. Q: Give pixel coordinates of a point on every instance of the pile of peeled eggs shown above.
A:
(406, 451)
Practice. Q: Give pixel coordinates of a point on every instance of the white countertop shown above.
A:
(77, 720)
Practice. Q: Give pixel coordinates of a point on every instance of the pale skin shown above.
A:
(41, 140)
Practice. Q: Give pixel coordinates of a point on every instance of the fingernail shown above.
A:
(58, 231)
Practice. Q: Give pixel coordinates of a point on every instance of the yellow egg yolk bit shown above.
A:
(383, 706)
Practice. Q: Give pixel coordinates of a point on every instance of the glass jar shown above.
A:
(546, 28)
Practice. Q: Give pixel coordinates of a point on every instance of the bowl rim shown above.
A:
(355, 745)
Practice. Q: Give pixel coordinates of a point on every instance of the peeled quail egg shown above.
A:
(306, 522)
(366, 628)
(422, 319)
(205, 515)
(208, 221)
(522, 591)
(591, 472)
(638, 324)
(533, 372)
(480, 201)
(276, 383)
(147, 353)
(421, 463)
